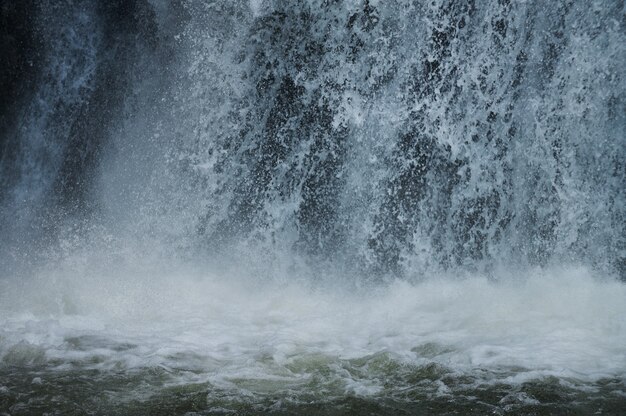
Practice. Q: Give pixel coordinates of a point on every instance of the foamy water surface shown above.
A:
(238, 343)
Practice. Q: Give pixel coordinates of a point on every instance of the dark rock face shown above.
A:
(77, 61)
(20, 48)
(129, 34)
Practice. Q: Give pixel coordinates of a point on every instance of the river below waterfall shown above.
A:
(552, 343)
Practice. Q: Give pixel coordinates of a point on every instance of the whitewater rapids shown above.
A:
(277, 344)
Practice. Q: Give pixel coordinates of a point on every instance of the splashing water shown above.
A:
(202, 342)
(324, 207)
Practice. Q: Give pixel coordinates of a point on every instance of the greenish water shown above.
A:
(429, 389)
(550, 344)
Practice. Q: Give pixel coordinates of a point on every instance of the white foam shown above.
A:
(564, 324)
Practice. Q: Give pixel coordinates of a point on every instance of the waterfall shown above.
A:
(409, 173)
(388, 138)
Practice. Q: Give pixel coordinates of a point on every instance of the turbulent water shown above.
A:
(312, 207)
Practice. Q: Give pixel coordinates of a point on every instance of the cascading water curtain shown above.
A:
(326, 206)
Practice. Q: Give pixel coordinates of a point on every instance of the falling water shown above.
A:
(320, 207)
